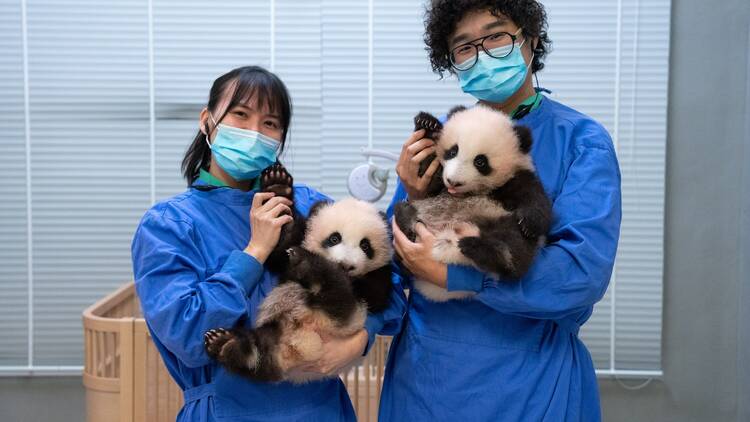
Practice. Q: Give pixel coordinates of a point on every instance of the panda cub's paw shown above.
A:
(277, 179)
(218, 342)
(429, 123)
(406, 218)
(532, 223)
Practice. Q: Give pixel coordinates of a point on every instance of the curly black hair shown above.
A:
(443, 15)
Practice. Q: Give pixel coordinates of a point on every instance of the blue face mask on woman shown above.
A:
(243, 153)
(495, 80)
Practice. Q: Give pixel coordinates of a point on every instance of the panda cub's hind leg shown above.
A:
(406, 217)
(233, 348)
(500, 248)
(489, 255)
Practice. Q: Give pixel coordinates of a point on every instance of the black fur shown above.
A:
(332, 240)
(233, 347)
(450, 152)
(374, 288)
(316, 207)
(335, 297)
(277, 179)
(366, 247)
(328, 290)
(432, 127)
(406, 217)
(505, 246)
(500, 248)
(482, 164)
(524, 138)
(524, 196)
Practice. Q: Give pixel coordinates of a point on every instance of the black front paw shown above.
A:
(429, 123)
(406, 217)
(532, 222)
(472, 247)
(277, 179)
(218, 342)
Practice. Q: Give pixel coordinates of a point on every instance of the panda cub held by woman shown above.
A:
(328, 283)
(485, 204)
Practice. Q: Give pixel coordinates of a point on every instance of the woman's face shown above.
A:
(481, 23)
(244, 116)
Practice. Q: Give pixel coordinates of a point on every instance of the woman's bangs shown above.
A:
(257, 91)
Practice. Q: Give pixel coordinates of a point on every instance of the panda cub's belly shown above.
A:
(301, 327)
(450, 219)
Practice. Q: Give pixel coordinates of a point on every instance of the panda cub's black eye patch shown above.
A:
(482, 164)
(366, 247)
(332, 240)
(451, 152)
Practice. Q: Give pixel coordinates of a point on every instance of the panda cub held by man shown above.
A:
(340, 271)
(486, 205)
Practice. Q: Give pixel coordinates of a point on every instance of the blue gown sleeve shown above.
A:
(389, 321)
(179, 302)
(572, 271)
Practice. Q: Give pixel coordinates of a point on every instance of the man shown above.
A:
(511, 352)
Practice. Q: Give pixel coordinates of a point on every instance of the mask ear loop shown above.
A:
(207, 131)
(536, 76)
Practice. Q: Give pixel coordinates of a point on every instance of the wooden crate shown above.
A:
(126, 380)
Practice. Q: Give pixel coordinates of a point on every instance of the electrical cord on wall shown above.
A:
(633, 388)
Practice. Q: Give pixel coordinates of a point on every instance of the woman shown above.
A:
(198, 259)
(512, 352)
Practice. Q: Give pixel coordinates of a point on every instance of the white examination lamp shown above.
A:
(369, 182)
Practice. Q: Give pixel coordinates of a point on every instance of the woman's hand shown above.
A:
(417, 256)
(416, 149)
(266, 220)
(338, 352)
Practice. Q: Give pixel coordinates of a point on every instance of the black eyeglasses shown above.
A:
(497, 45)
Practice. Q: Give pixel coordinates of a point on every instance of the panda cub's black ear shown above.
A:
(455, 110)
(384, 217)
(524, 138)
(317, 207)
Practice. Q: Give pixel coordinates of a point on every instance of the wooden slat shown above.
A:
(140, 358)
(100, 357)
(127, 370)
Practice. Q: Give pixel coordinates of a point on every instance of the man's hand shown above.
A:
(414, 150)
(417, 256)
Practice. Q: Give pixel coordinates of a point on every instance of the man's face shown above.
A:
(480, 23)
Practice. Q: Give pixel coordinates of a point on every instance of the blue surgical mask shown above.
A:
(243, 153)
(495, 80)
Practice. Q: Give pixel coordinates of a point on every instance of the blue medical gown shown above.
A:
(191, 275)
(512, 352)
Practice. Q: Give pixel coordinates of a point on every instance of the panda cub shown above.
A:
(485, 205)
(328, 283)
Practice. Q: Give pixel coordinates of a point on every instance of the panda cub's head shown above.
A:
(480, 149)
(350, 232)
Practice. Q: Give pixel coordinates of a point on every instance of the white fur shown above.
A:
(301, 325)
(354, 220)
(481, 130)
(477, 130)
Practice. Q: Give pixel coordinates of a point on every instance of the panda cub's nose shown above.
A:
(453, 183)
(347, 267)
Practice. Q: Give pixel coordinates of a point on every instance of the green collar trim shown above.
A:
(533, 100)
(209, 179)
